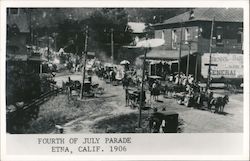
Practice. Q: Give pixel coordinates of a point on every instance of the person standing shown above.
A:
(153, 90)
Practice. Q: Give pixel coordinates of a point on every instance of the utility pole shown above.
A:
(76, 50)
(188, 57)
(48, 47)
(210, 54)
(55, 38)
(84, 61)
(179, 60)
(142, 85)
(112, 45)
(30, 27)
(196, 68)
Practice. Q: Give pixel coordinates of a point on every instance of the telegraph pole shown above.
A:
(48, 47)
(179, 60)
(196, 67)
(84, 60)
(210, 54)
(188, 57)
(112, 45)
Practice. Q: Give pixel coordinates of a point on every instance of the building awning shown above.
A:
(166, 54)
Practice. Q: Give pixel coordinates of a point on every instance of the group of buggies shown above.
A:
(73, 87)
(109, 74)
(189, 94)
(197, 97)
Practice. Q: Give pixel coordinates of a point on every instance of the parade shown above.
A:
(171, 76)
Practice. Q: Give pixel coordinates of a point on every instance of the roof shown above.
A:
(20, 20)
(157, 54)
(207, 14)
(137, 27)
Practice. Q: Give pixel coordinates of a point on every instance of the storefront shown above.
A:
(165, 62)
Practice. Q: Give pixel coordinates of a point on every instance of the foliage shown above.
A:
(21, 84)
(71, 32)
(68, 26)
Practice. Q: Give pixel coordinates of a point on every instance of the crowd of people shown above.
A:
(171, 84)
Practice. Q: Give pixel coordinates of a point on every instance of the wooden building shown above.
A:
(193, 30)
(18, 44)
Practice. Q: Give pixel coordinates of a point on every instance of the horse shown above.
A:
(157, 122)
(219, 103)
(155, 125)
(72, 85)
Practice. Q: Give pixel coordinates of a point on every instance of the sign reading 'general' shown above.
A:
(227, 65)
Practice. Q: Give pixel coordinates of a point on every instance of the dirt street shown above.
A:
(195, 120)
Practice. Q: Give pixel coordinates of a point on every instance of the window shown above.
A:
(239, 37)
(187, 35)
(174, 39)
(219, 35)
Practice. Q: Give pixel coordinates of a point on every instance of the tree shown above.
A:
(71, 32)
(21, 85)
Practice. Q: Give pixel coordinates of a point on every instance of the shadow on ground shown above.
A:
(126, 123)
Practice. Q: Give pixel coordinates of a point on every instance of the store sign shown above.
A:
(223, 65)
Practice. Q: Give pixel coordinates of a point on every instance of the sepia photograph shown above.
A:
(127, 80)
(124, 70)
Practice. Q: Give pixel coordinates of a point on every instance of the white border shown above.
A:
(159, 4)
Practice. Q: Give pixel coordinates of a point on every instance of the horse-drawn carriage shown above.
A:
(165, 122)
(133, 97)
(191, 99)
(203, 100)
(74, 87)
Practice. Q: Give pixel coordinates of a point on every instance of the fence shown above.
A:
(21, 115)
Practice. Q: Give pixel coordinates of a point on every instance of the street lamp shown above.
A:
(145, 44)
